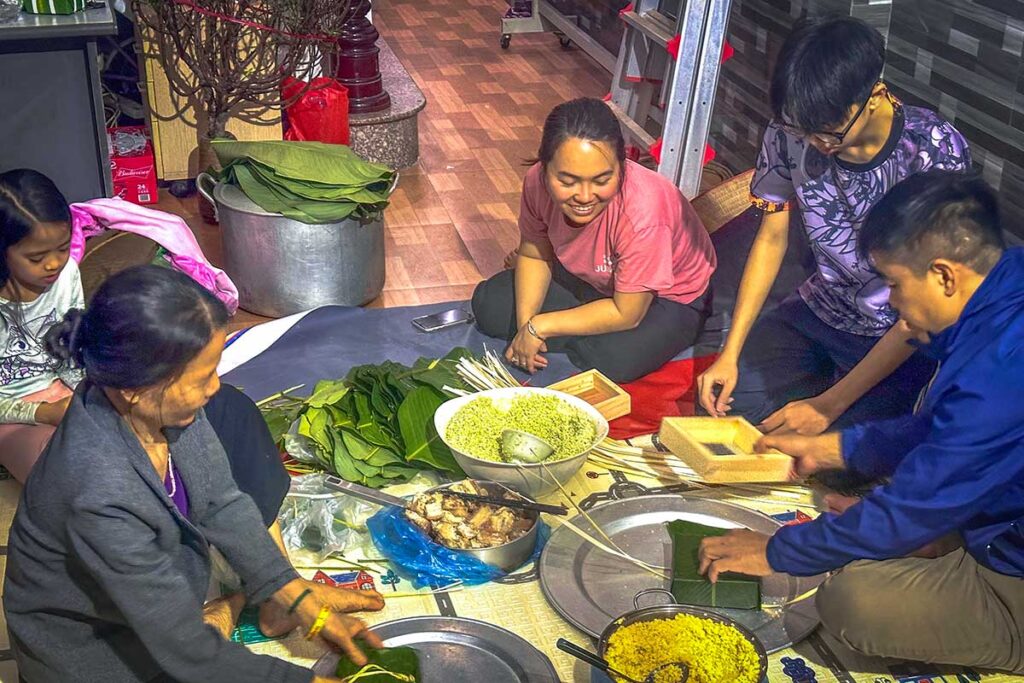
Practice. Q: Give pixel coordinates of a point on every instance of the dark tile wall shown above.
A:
(963, 58)
(598, 18)
(756, 31)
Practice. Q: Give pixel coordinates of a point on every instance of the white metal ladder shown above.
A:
(688, 84)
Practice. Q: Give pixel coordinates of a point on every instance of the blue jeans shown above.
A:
(791, 354)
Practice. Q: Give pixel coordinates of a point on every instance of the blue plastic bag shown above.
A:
(426, 563)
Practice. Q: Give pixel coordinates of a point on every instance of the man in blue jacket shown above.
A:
(954, 467)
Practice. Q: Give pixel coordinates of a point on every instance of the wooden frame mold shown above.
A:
(721, 450)
(609, 398)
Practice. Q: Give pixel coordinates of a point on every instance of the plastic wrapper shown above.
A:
(9, 10)
(426, 563)
(300, 447)
(321, 522)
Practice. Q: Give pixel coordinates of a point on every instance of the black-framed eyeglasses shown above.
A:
(831, 138)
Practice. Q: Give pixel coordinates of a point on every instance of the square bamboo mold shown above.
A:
(609, 398)
(721, 450)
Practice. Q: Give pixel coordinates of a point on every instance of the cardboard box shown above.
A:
(132, 164)
(609, 398)
(360, 580)
(721, 450)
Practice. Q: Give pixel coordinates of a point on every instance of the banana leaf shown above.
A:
(422, 442)
(327, 392)
(310, 161)
(384, 457)
(397, 660)
(279, 420)
(690, 587)
(375, 426)
(373, 193)
(343, 463)
(270, 199)
(314, 424)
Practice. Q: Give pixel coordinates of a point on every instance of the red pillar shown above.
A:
(358, 66)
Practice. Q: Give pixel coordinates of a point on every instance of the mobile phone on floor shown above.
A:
(439, 321)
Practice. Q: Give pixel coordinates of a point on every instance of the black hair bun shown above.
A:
(64, 339)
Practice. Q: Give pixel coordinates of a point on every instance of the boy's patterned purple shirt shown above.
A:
(834, 198)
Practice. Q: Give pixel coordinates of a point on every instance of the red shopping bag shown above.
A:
(320, 114)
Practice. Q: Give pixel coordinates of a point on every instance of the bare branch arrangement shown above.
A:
(228, 57)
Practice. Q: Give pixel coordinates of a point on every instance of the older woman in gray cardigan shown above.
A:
(109, 557)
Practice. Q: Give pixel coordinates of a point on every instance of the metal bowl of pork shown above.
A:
(509, 556)
(533, 479)
(669, 611)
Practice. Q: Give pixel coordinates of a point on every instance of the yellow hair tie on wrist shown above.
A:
(318, 625)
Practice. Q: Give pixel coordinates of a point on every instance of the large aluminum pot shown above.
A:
(282, 266)
(670, 610)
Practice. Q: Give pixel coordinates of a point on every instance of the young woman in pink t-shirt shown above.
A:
(613, 265)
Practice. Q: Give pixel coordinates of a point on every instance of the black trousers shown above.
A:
(254, 457)
(668, 328)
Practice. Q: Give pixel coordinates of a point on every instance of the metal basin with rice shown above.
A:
(283, 266)
(536, 479)
(669, 611)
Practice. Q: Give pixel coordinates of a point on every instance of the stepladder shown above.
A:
(664, 82)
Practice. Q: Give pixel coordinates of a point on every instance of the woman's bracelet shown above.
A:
(533, 330)
(318, 625)
(302, 596)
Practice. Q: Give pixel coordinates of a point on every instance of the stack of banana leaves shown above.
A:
(376, 425)
(310, 182)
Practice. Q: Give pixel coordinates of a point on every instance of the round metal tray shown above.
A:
(591, 588)
(457, 649)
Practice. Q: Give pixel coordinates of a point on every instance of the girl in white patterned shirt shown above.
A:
(39, 283)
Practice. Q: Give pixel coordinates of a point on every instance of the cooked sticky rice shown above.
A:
(714, 652)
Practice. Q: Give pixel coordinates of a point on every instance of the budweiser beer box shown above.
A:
(355, 580)
(132, 164)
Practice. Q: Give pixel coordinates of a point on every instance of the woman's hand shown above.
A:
(740, 550)
(52, 413)
(723, 375)
(525, 350)
(346, 599)
(222, 613)
(808, 417)
(811, 453)
(342, 631)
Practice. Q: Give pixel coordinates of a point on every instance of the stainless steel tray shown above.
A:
(591, 588)
(457, 649)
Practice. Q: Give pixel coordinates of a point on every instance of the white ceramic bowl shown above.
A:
(533, 480)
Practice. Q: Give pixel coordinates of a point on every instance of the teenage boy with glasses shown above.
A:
(830, 353)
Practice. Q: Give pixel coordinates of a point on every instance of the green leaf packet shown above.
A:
(404, 661)
(689, 587)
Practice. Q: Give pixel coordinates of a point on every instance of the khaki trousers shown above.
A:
(947, 610)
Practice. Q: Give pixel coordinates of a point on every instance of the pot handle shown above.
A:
(205, 184)
(394, 184)
(648, 591)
